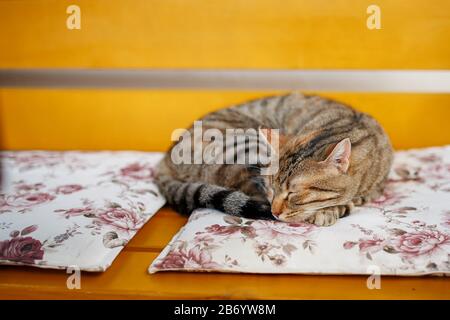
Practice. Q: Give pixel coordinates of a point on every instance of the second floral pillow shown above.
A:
(78, 209)
(405, 232)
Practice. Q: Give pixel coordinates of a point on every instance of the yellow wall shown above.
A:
(226, 34)
(144, 120)
(214, 34)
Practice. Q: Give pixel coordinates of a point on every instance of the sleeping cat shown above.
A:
(330, 158)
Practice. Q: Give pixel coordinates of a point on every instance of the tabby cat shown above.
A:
(331, 158)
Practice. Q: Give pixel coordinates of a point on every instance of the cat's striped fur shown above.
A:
(319, 178)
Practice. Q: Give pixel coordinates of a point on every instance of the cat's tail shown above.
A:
(185, 197)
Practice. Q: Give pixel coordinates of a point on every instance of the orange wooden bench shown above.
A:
(127, 278)
(236, 34)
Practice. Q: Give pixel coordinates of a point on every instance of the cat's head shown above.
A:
(302, 186)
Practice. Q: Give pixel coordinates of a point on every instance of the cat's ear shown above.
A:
(340, 156)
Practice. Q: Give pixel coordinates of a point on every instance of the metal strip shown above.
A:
(435, 81)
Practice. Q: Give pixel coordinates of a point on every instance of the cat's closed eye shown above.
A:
(322, 189)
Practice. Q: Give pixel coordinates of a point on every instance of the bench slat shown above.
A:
(128, 278)
(157, 232)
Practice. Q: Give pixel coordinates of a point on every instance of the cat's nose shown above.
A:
(277, 208)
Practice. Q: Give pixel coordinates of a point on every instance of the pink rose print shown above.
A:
(349, 244)
(437, 171)
(195, 258)
(217, 229)
(21, 249)
(120, 219)
(389, 198)
(3, 203)
(68, 189)
(137, 171)
(27, 188)
(279, 230)
(278, 260)
(263, 249)
(28, 230)
(370, 245)
(430, 158)
(26, 200)
(235, 226)
(366, 245)
(31, 160)
(419, 223)
(419, 243)
(446, 220)
(74, 212)
(203, 240)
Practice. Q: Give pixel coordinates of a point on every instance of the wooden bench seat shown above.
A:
(127, 278)
(158, 232)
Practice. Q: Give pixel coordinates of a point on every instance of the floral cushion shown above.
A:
(405, 232)
(61, 209)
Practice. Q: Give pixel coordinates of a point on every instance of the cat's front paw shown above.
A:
(323, 218)
(328, 216)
